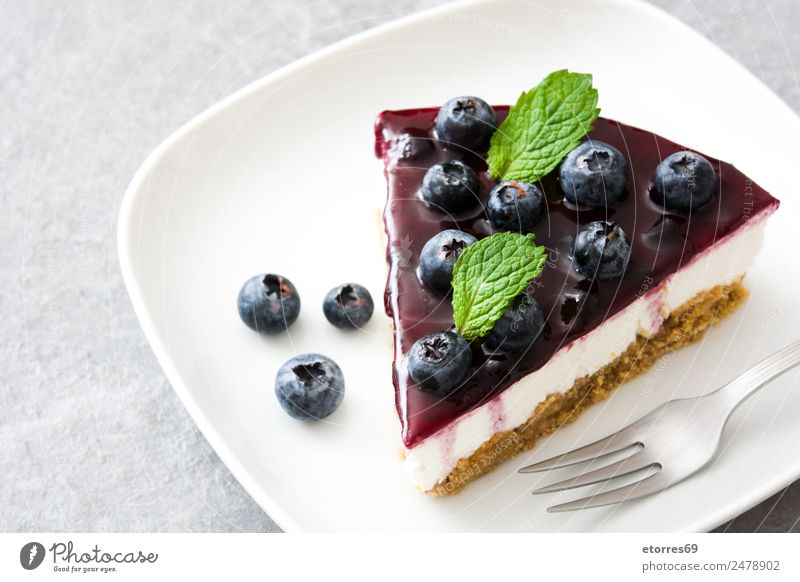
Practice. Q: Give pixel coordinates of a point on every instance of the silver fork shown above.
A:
(671, 443)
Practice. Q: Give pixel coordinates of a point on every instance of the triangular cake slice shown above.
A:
(684, 273)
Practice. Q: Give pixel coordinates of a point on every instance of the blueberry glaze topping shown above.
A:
(572, 304)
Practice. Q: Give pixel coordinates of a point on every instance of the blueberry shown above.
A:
(684, 180)
(439, 255)
(439, 362)
(348, 306)
(309, 386)
(578, 307)
(515, 206)
(268, 303)
(466, 121)
(517, 328)
(410, 147)
(594, 174)
(450, 186)
(601, 250)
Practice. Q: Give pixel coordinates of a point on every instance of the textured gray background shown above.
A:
(92, 437)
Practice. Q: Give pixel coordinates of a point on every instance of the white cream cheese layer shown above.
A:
(431, 460)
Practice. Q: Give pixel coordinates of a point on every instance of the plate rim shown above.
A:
(126, 221)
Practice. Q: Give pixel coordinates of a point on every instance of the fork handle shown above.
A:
(737, 391)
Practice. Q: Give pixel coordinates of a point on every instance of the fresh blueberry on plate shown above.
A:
(348, 306)
(684, 181)
(440, 361)
(439, 256)
(516, 206)
(450, 186)
(466, 121)
(593, 174)
(518, 327)
(309, 386)
(601, 250)
(268, 303)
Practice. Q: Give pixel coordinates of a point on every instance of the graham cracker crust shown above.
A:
(685, 325)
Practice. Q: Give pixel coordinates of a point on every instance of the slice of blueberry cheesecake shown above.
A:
(540, 256)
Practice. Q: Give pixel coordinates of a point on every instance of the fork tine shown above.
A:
(647, 486)
(621, 468)
(611, 444)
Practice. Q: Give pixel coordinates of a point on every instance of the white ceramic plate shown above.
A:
(281, 177)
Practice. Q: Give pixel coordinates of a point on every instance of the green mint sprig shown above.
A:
(487, 277)
(546, 123)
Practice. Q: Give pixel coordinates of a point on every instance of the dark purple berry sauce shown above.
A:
(661, 243)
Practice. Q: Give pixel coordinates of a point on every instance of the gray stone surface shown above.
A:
(92, 437)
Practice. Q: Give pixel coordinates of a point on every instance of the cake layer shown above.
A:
(685, 325)
(431, 461)
(662, 244)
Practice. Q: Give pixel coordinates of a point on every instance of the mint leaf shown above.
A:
(543, 127)
(487, 277)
